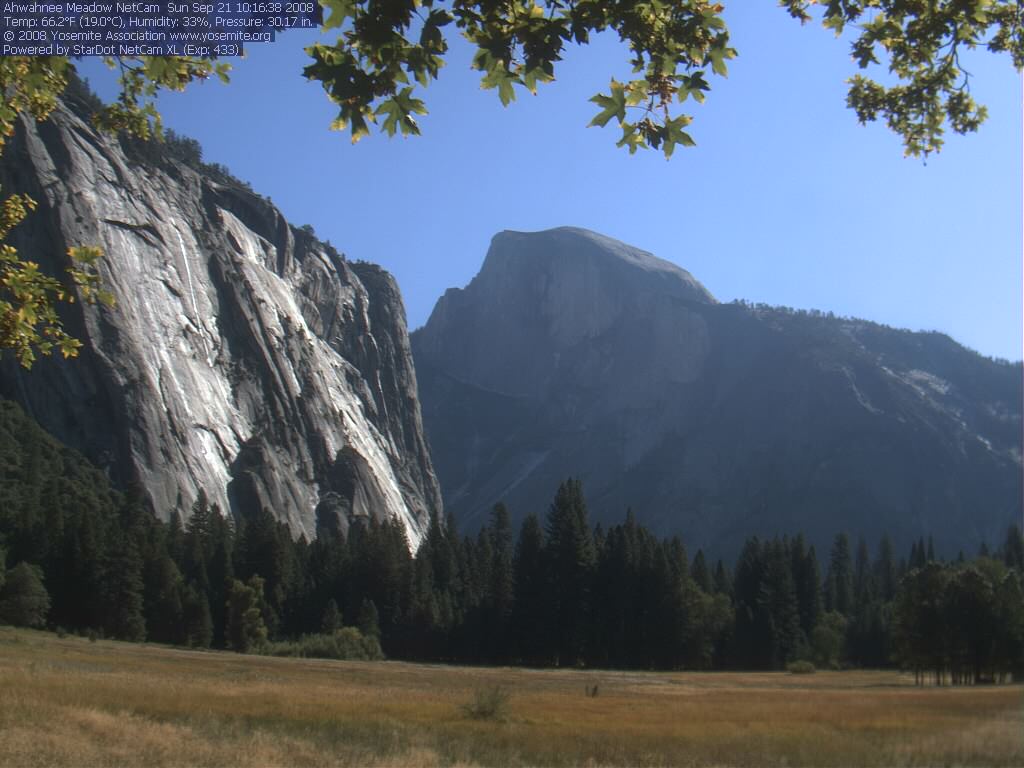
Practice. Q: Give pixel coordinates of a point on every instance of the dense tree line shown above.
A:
(557, 592)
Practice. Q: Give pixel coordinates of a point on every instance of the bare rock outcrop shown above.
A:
(242, 357)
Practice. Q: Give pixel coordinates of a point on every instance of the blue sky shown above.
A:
(786, 199)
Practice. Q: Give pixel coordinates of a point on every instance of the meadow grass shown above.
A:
(69, 702)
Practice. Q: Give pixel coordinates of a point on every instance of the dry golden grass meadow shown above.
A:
(71, 702)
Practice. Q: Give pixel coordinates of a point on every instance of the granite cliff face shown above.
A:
(573, 355)
(242, 357)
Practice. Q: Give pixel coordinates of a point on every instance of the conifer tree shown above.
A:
(162, 598)
(754, 635)
(122, 590)
(807, 583)
(368, 621)
(723, 581)
(841, 575)
(863, 583)
(700, 573)
(197, 623)
(500, 592)
(176, 540)
(886, 575)
(1013, 550)
(570, 561)
(331, 620)
(531, 625)
(779, 599)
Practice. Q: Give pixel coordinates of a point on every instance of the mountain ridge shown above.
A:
(715, 420)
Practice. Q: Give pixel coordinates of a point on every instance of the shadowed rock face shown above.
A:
(573, 355)
(242, 356)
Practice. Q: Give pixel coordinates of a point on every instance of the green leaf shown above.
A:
(717, 58)
(613, 105)
(340, 10)
(359, 127)
(632, 138)
(503, 80)
(674, 134)
(398, 112)
(534, 76)
(835, 23)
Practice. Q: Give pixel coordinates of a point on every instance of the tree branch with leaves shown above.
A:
(388, 50)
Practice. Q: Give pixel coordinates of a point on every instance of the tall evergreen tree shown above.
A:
(531, 625)
(779, 599)
(700, 573)
(807, 583)
(570, 561)
(1013, 550)
(368, 620)
(331, 620)
(197, 623)
(754, 634)
(723, 581)
(863, 582)
(886, 573)
(841, 575)
(162, 598)
(500, 590)
(122, 591)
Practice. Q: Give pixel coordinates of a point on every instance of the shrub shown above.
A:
(24, 601)
(800, 668)
(347, 643)
(488, 703)
(246, 630)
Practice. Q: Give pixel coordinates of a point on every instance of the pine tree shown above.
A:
(500, 592)
(368, 621)
(1013, 550)
(122, 591)
(723, 581)
(570, 561)
(807, 583)
(331, 620)
(162, 598)
(754, 635)
(197, 624)
(700, 573)
(778, 596)
(841, 575)
(531, 625)
(176, 540)
(863, 583)
(918, 556)
(886, 575)
(219, 572)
